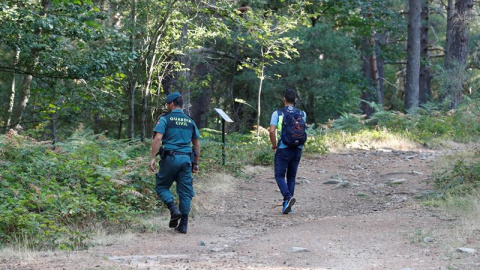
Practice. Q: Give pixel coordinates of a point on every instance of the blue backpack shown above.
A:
(293, 127)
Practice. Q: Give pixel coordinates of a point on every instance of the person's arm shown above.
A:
(273, 137)
(157, 140)
(196, 147)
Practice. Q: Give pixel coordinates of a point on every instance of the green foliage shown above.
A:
(461, 176)
(325, 75)
(349, 122)
(54, 198)
(429, 123)
(247, 149)
(240, 150)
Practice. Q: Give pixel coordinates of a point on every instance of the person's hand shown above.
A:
(152, 165)
(195, 168)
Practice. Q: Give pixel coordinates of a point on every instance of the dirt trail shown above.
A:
(367, 218)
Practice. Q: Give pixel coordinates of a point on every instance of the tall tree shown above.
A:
(8, 118)
(458, 24)
(24, 94)
(267, 35)
(413, 55)
(425, 77)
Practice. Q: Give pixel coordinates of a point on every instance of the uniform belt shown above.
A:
(174, 153)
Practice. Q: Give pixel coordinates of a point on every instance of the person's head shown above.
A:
(174, 101)
(290, 96)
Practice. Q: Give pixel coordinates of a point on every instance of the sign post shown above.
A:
(227, 119)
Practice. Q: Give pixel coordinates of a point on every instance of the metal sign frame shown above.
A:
(225, 118)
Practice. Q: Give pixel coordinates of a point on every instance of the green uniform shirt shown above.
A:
(178, 131)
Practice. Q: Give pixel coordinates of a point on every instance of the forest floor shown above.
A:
(369, 217)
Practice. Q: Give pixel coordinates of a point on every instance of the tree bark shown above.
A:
(131, 80)
(262, 74)
(156, 59)
(311, 108)
(11, 103)
(186, 76)
(131, 106)
(457, 51)
(377, 68)
(367, 94)
(24, 95)
(425, 77)
(413, 55)
(448, 34)
(201, 104)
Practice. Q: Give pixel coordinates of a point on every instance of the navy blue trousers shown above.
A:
(286, 164)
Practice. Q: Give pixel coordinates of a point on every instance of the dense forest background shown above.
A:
(91, 78)
(109, 64)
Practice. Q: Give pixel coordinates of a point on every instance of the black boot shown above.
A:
(182, 227)
(175, 215)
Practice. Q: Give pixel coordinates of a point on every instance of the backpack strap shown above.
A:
(282, 112)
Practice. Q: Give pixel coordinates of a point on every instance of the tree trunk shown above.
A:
(53, 120)
(131, 77)
(457, 51)
(376, 68)
(367, 94)
(27, 80)
(131, 106)
(448, 34)
(311, 107)
(413, 55)
(120, 125)
(186, 76)
(380, 80)
(201, 104)
(262, 72)
(153, 59)
(369, 69)
(25, 90)
(425, 77)
(8, 120)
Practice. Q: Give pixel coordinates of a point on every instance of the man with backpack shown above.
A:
(290, 123)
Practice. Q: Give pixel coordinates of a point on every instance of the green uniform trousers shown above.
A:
(176, 168)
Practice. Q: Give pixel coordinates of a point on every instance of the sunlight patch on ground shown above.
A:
(21, 253)
(393, 144)
(208, 189)
(371, 141)
(467, 231)
(463, 210)
(252, 171)
(103, 238)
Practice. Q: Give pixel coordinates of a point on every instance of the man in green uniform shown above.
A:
(177, 132)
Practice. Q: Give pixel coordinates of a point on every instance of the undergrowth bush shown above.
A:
(461, 176)
(245, 149)
(55, 198)
(429, 123)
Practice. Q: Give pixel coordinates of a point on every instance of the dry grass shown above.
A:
(103, 238)
(370, 140)
(21, 253)
(215, 185)
(466, 210)
(251, 171)
(394, 143)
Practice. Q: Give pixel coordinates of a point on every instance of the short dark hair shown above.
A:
(290, 95)
(178, 102)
